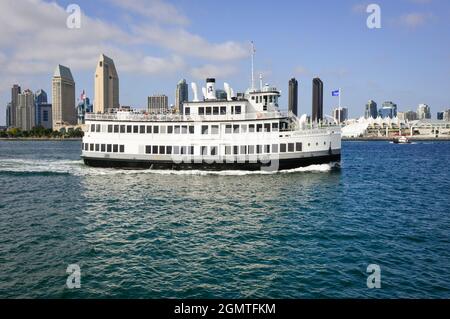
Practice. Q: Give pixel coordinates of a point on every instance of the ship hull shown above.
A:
(281, 164)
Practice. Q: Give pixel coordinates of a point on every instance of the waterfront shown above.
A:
(305, 234)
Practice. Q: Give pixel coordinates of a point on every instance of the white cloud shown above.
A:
(215, 71)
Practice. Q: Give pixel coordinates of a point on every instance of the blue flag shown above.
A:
(335, 93)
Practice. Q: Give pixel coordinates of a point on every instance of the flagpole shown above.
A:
(340, 92)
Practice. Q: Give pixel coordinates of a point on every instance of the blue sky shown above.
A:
(155, 43)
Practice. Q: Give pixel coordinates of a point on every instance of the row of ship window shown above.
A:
(228, 149)
(104, 148)
(215, 110)
(186, 129)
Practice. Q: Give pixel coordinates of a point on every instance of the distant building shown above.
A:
(63, 96)
(293, 96)
(340, 114)
(440, 116)
(83, 107)
(106, 86)
(371, 110)
(447, 115)
(15, 91)
(407, 116)
(423, 112)
(317, 103)
(221, 94)
(158, 104)
(388, 109)
(8, 114)
(43, 110)
(25, 114)
(181, 95)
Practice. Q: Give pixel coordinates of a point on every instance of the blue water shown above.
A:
(305, 234)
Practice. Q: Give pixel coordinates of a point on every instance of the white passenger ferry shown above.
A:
(243, 132)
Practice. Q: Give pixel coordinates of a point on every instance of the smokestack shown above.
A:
(210, 89)
(195, 91)
(227, 89)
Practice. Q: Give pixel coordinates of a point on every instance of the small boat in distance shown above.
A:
(401, 140)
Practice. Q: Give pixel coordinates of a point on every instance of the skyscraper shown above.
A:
(293, 96)
(340, 114)
(317, 103)
(83, 107)
(389, 109)
(440, 116)
(106, 86)
(158, 104)
(181, 95)
(8, 114)
(41, 103)
(63, 96)
(423, 112)
(25, 114)
(15, 91)
(371, 110)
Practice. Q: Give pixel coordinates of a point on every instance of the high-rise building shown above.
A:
(63, 98)
(42, 109)
(106, 86)
(181, 95)
(388, 109)
(293, 96)
(371, 110)
(8, 114)
(15, 91)
(440, 116)
(158, 104)
(25, 114)
(317, 103)
(84, 107)
(447, 115)
(423, 112)
(340, 114)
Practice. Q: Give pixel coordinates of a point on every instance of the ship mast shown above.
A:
(253, 66)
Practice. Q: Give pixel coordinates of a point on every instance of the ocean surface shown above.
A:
(309, 233)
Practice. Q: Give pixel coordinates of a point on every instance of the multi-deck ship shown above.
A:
(243, 132)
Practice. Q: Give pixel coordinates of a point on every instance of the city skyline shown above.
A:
(362, 63)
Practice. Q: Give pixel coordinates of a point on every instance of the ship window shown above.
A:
(251, 128)
(267, 127)
(154, 149)
(162, 150)
(235, 129)
(265, 107)
(237, 109)
(162, 129)
(283, 148)
(290, 147)
(156, 129)
(176, 150)
(204, 150)
(115, 148)
(169, 129)
(187, 111)
(259, 127)
(324, 143)
(215, 129)
(236, 150)
(275, 127)
(223, 110)
(97, 147)
(122, 129)
(184, 129)
(183, 150)
(243, 128)
(309, 144)
(149, 129)
(204, 129)
(266, 149)
(228, 129)
(258, 149)
(201, 111)
(227, 150)
(122, 148)
(110, 128)
(191, 129)
(317, 144)
(215, 110)
(135, 129)
(91, 147)
(298, 147)
(251, 149)
(191, 150)
(85, 146)
(142, 129)
(232, 110)
(169, 150)
(109, 148)
(99, 130)
(274, 148)
(177, 129)
(128, 128)
(213, 150)
(208, 110)
(148, 149)
(103, 148)
(243, 149)
(253, 97)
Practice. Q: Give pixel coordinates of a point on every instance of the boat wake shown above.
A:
(77, 168)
